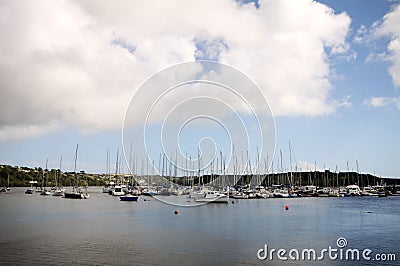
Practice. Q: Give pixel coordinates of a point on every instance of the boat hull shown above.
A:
(215, 200)
(29, 191)
(73, 195)
(58, 193)
(129, 198)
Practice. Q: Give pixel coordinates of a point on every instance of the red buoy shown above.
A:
(176, 212)
(286, 207)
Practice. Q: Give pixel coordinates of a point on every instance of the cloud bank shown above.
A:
(76, 64)
(390, 27)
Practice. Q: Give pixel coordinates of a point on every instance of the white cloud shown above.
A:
(389, 26)
(379, 102)
(361, 34)
(77, 63)
(344, 103)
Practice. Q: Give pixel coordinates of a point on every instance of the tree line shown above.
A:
(16, 176)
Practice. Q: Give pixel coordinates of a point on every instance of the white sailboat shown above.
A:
(44, 191)
(58, 190)
(6, 189)
(109, 186)
(8, 183)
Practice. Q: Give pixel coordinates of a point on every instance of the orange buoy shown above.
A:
(287, 207)
(176, 212)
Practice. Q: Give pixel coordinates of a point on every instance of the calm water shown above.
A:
(102, 230)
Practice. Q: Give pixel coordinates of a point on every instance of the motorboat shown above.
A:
(353, 190)
(118, 191)
(334, 193)
(212, 196)
(240, 195)
(369, 191)
(281, 193)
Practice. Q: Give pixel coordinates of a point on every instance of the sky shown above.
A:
(329, 71)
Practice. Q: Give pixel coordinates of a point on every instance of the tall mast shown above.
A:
(76, 158)
(198, 164)
(266, 170)
(358, 174)
(315, 173)
(234, 165)
(281, 162)
(337, 176)
(222, 170)
(57, 177)
(258, 168)
(291, 167)
(186, 169)
(47, 173)
(147, 171)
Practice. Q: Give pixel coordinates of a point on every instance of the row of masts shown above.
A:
(192, 171)
(58, 173)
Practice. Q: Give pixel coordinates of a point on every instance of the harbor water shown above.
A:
(102, 230)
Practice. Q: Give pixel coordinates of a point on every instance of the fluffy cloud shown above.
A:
(383, 102)
(77, 63)
(389, 26)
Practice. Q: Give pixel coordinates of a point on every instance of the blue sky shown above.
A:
(69, 70)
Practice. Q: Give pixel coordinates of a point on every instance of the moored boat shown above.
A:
(45, 192)
(29, 191)
(281, 193)
(213, 196)
(118, 191)
(129, 197)
(369, 191)
(108, 187)
(74, 195)
(353, 190)
(76, 192)
(58, 192)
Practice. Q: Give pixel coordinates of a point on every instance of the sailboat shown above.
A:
(6, 189)
(58, 190)
(76, 193)
(44, 191)
(8, 183)
(109, 186)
